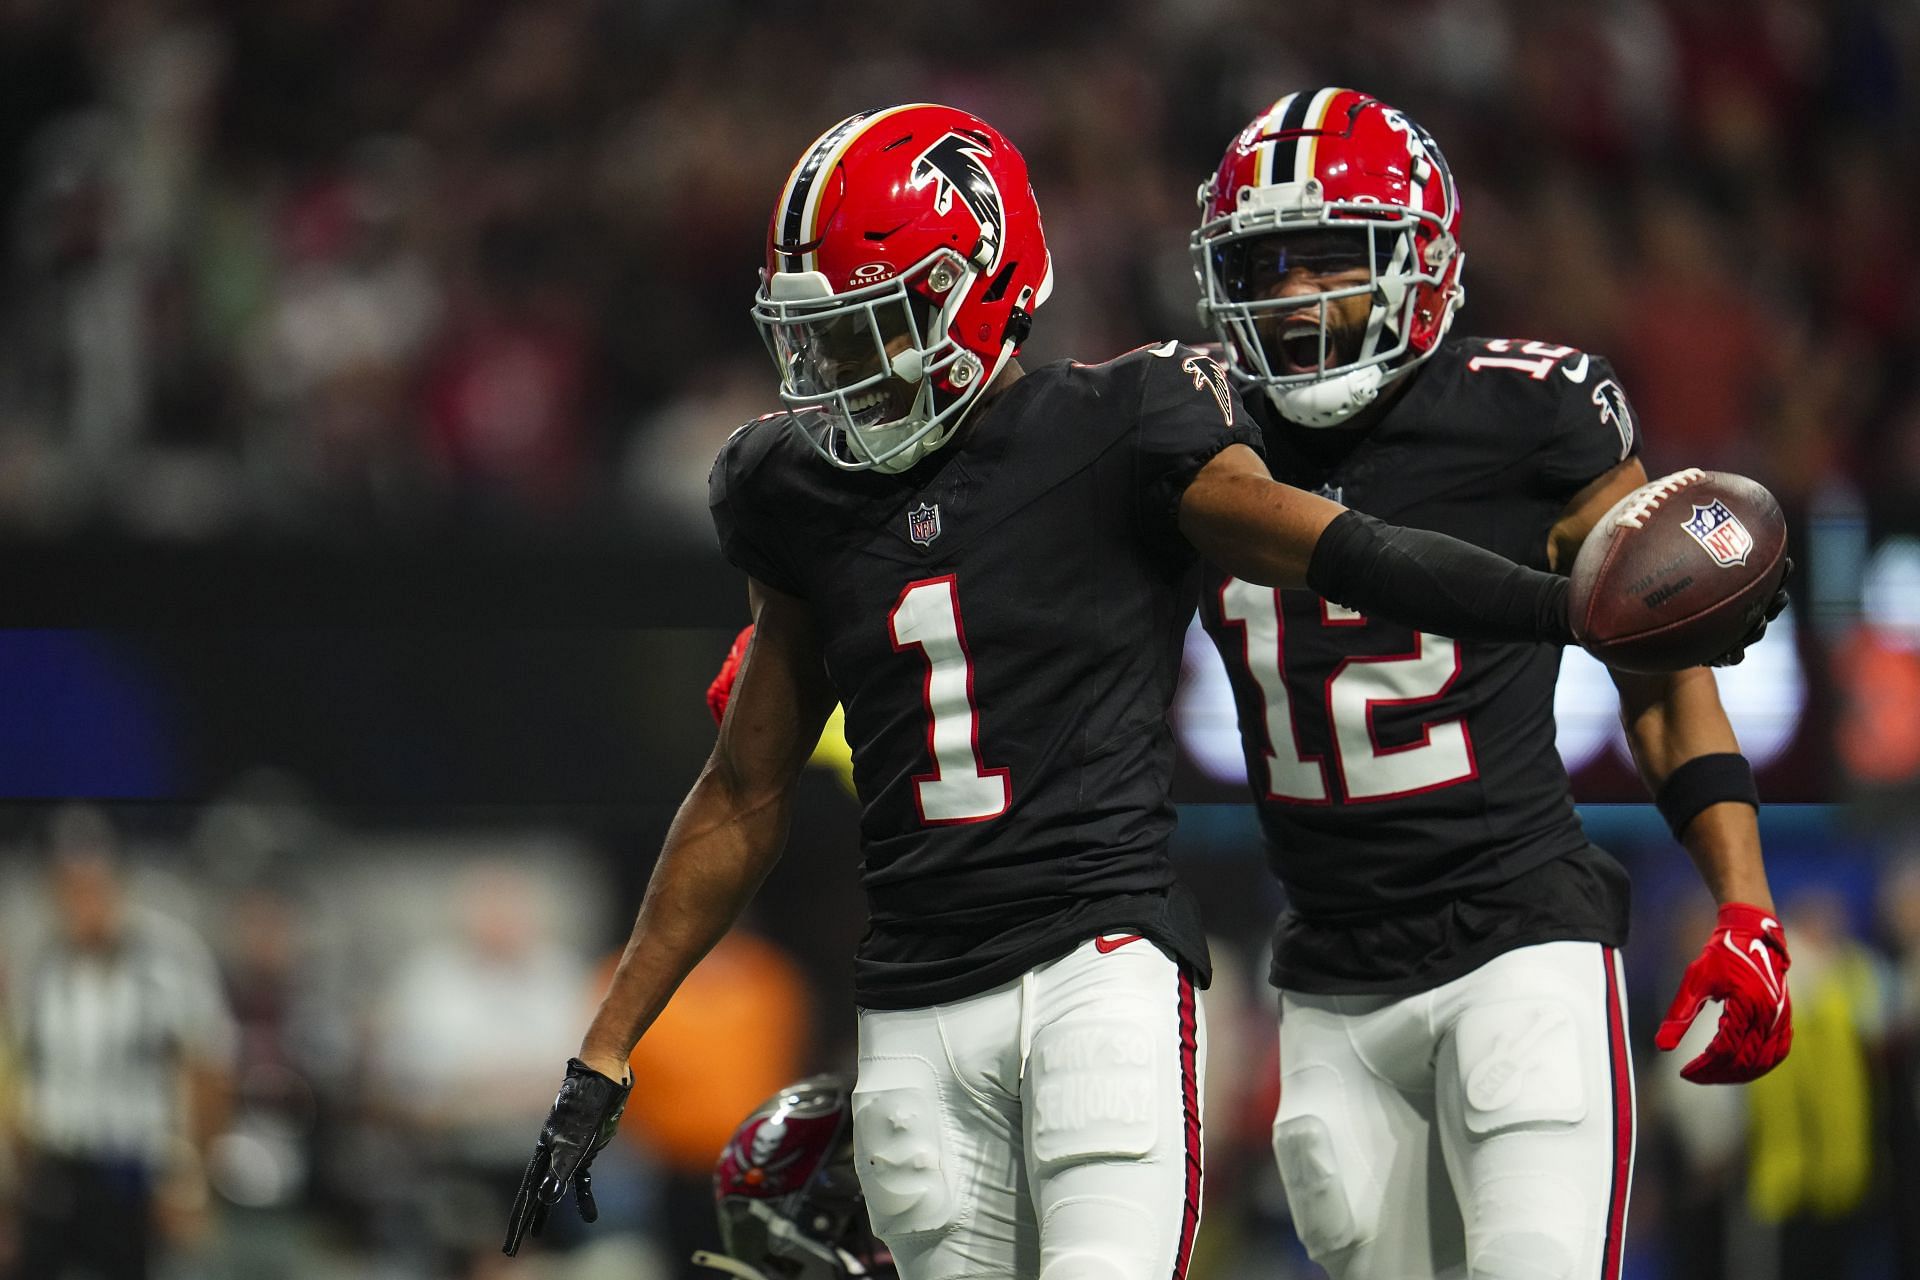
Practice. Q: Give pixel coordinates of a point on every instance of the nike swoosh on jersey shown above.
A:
(1107, 946)
(1577, 372)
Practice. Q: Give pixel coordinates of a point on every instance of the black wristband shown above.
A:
(1433, 582)
(1703, 781)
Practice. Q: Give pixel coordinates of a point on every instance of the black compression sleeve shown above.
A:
(1435, 583)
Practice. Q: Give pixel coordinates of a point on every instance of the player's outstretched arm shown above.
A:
(1691, 762)
(1256, 528)
(1689, 758)
(728, 833)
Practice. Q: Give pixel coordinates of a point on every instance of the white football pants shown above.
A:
(1048, 1128)
(1482, 1129)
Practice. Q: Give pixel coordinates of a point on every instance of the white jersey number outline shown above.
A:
(1442, 757)
(960, 788)
(1540, 361)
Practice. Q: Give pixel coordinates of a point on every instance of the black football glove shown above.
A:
(585, 1114)
(1734, 656)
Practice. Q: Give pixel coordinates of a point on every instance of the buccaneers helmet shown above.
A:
(1338, 180)
(787, 1194)
(905, 259)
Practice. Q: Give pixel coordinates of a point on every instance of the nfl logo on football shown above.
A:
(923, 523)
(1721, 533)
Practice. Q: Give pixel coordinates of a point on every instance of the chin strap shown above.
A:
(875, 441)
(1331, 401)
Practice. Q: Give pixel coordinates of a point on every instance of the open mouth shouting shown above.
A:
(1300, 349)
(1301, 346)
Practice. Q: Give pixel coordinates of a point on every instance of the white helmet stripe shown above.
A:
(1263, 154)
(1285, 117)
(811, 212)
(800, 185)
(800, 200)
(1314, 118)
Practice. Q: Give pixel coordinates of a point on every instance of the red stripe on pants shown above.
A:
(1190, 1097)
(1622, 1091)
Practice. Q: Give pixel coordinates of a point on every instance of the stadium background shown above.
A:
(360, 366)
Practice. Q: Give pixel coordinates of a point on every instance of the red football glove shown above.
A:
(722, 687)
(1744, 966)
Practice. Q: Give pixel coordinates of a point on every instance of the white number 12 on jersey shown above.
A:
(1368, 771)
(960, 788)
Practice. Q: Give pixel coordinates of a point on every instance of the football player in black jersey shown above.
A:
(992, 571)
(1456, 1094)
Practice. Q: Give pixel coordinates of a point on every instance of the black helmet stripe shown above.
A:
(800, 187)
(1292, 120)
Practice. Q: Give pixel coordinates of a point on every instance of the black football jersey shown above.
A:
(1414, 804)
(1003, 624)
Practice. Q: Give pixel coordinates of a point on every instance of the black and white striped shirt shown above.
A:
(103, 1037)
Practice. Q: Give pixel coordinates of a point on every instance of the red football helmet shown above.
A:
(905, 260)
(1373, 188)
(787, 1193)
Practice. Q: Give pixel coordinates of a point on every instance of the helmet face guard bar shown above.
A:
(832, 354)
(1394, 278)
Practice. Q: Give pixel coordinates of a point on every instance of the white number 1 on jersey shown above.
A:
(959, 789)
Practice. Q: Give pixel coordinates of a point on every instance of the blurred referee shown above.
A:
(121, 1038)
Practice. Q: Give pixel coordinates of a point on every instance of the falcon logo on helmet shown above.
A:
(955, 164)
(1327, 203)
(905, 260)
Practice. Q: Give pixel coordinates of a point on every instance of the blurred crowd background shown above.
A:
(361, 362)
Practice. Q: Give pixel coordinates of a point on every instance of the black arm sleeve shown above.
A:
(1435, 583)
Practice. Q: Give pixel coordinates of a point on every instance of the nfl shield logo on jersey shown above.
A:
(1721, 533)
(923, 522)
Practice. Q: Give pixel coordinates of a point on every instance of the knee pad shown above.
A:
(1325, 1177)
(1098, 1086)
(901, 1149)
(1105, 1237)
(1520, 1067)
(1527, 1226)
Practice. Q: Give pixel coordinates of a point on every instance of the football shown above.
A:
(1677, 571)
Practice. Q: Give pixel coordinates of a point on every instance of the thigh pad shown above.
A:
(902, 1147)
(1098, 1086)
(1329, 1183)
(1520, 1066)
